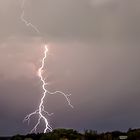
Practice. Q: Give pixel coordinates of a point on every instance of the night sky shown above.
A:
(94, 54)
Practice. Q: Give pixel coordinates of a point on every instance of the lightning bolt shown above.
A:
(40, 111)
(28, 24)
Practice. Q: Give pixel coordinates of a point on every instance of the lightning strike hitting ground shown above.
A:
(40, 110)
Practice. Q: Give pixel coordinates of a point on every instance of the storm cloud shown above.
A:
(93, 54)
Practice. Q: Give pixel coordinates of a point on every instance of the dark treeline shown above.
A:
(70, 134)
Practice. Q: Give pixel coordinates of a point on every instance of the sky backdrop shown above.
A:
(93, 54)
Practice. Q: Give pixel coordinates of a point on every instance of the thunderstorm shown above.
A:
(40, 111)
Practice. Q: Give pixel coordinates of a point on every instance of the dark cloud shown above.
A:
(80, 19)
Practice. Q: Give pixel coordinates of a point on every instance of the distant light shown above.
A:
(123, 137)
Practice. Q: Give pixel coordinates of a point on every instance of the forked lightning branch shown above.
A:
(40, 111)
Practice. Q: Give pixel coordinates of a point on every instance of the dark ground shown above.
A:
(70, 134)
